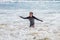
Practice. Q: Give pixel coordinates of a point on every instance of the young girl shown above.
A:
(31, 19)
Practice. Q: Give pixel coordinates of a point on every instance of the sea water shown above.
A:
(12, 27)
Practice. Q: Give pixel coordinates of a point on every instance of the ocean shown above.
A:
(12, 27)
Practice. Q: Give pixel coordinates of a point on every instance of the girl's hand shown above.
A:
(41, 20)
(19, 16)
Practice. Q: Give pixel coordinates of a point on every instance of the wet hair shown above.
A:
(31, 12)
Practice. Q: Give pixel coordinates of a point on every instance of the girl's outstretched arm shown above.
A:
(24, 17)
(38, 19)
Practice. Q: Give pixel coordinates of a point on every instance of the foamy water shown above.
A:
(12, 27)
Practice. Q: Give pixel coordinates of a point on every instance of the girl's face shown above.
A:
(31, 14)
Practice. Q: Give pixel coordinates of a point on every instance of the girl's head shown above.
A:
(30, 14)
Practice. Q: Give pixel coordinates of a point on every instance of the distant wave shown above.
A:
(31, 5)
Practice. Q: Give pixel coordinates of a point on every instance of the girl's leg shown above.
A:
(33, 26)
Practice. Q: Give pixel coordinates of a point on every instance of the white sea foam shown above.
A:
(12, 27)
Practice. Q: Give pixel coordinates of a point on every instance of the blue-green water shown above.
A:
(31, 5)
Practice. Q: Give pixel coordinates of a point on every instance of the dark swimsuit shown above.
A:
(31, 19)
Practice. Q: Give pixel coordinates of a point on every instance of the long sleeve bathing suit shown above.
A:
(31, 19)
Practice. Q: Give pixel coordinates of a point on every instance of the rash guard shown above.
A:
(31, 19)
